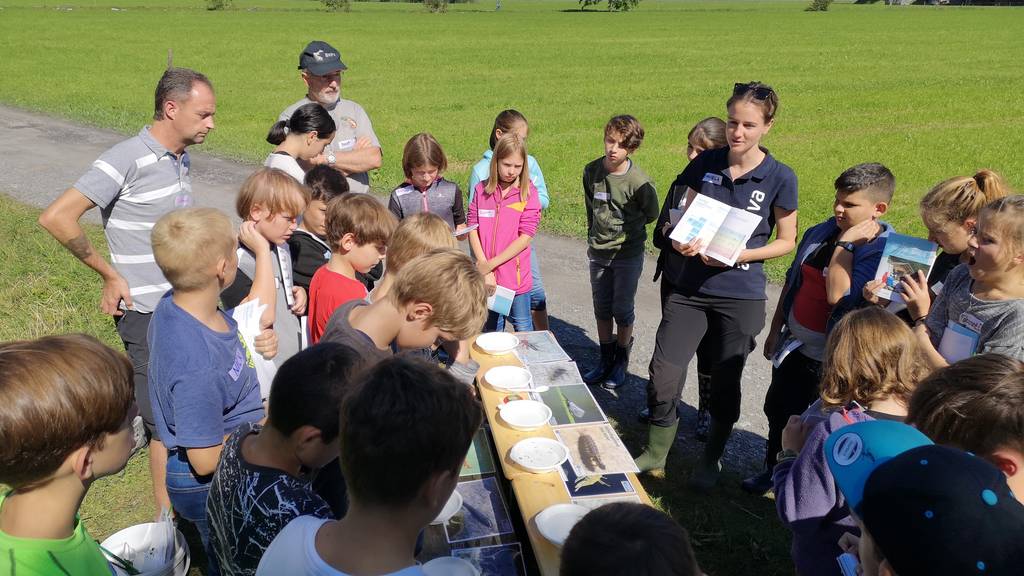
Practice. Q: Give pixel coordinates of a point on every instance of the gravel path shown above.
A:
(41, 156)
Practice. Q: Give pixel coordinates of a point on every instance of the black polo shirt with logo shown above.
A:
(770, 185)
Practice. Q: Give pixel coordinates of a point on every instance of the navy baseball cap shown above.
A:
(931, 510)
(320, 58)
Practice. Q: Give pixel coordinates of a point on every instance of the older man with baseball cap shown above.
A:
(355, 149)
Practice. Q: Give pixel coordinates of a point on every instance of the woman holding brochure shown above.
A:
(735, 198)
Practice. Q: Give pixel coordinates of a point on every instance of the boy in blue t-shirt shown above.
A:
(833, 261)
(202, 376)
(265, 476)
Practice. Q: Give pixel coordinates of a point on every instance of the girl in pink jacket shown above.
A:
(507, 210)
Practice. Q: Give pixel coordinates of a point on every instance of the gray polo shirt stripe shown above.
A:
(135, 183)
(151, 289)
(109, 171)
(132, 258)
(142, 198)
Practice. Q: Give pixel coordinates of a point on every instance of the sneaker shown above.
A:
(758, 485)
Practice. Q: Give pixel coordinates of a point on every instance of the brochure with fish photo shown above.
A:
(555, 374)
(903, 256)
(595, 449)
(570, 405)
(594, 484)
(500, 560)
(722, 229)
(483, 513)
(539, 347)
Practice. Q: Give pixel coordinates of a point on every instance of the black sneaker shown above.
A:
(758, 485)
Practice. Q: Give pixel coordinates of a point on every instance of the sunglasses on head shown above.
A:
(760, 92)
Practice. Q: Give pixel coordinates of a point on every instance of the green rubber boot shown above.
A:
(659, 442)
(705, 477)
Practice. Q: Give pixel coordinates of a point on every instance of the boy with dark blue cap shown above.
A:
(925, 509)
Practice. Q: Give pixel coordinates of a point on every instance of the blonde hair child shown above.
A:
(507, 210)
(981, 306)
(414, 236)
(269, 203)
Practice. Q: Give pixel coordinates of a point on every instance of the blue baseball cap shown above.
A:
(853, 452)
(931, 510)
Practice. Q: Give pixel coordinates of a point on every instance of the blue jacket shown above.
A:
(865, 263)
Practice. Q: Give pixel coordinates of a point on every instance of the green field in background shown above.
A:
(930, 91)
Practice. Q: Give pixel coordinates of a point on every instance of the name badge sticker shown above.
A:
(236, 368)
(971, 322)
(715, 179)
(404, 191)
(485, 213)
(601, 196)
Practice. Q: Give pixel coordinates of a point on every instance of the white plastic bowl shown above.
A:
(449, 566)
(149, 561)
(556, 521)
(497, 343)
(525, 414)
(451, 508)
(509, 378)
(539, 455)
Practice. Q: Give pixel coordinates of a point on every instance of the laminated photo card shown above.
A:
(595, 449)
(539, 347)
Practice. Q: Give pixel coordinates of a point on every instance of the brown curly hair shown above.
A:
(870, 355)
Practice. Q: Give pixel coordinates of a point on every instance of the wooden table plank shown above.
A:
(533, 492)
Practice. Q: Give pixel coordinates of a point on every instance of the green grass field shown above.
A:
(930, 91)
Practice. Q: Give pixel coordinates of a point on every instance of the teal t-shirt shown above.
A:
(76, 555)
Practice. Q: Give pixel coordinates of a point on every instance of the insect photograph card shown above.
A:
(555, 374)
(539, 347)
(483, 513)
(594, 484)
(595, 449)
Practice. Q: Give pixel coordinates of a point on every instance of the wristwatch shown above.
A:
(848, 246)
(331, 158)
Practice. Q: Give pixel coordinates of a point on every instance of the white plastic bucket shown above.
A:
(149, 561)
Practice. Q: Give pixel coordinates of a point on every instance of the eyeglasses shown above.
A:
(760, 92)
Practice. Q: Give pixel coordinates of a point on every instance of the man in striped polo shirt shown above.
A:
(134, 184)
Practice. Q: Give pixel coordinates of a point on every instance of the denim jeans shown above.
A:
(188, 496)
(538, 299)
(520, 316)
